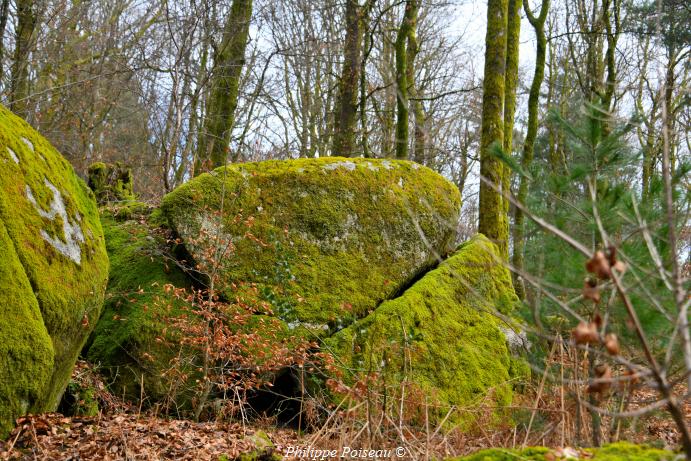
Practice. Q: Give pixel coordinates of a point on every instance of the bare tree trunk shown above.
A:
(4, 13)
(529, 144)
(513, 28)
(408, 23)
(419, 134)
(229, 59)
(347, 104)
(493, 221)
(19, 87)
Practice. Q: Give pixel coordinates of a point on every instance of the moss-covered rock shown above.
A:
(621, 451)
(326, 239)
(54, 268)
(442, 333)
(111, 182)
(128, 342)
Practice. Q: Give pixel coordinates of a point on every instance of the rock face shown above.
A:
(445, 327)
(124, 343)
(53, 268)
(339, 235)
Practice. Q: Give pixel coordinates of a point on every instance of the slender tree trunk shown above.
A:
(19, 86)
(346, 108)
(612, 32)
(402, 111)
(229, 60)
(529, 145)
(419, 134)
(493, 220)
(4, 13)
(668, 95)
(510, 86)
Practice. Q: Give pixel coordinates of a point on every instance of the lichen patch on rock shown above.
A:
(69, 244)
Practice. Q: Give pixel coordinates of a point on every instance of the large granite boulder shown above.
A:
(444, 334)
(53, 270)
(326, 240)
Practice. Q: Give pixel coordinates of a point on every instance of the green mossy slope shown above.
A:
(334, 237)
(621, 451)
(124, 343)
(52, 221)
(443, 325)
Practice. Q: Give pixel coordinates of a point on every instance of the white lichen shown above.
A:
(72, 232)
(371, 166)
(28, 143)
(348, 165)
(13, 155)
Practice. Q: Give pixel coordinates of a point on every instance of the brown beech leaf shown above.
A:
(602, 381)
(591, 290)
(620, 267)
(598, 265)
(586, 333)
(632, 376)
(612, 344)
(597, 320)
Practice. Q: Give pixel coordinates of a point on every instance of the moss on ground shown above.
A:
(621, 451)
(51, 220)
(337, 236)
(441, 333)
(126, 343)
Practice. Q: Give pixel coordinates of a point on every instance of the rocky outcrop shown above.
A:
(327, 240)
(54, 270)
(444, 333)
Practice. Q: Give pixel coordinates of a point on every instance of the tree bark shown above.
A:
(19, 86)
(419, 134)
(344, 134)
(402, 104)
(510, 85)
(529, 144)
(229, 59)
(493, 221)
(4, 13)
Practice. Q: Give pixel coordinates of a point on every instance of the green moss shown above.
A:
(79, 400)
(503, 454)
(621, 451)
(630, 452)
(445, 328)
(124, 343)
(68, 282)
(111, 182)
(263, 451)
(26, 352)
(341, 235)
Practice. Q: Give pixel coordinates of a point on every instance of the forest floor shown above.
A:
(122, 431)
(134, 436)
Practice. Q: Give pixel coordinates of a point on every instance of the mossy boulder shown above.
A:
(327, 240)
(129, 344)
(443, 334)
(54, 270)
(621, 451)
